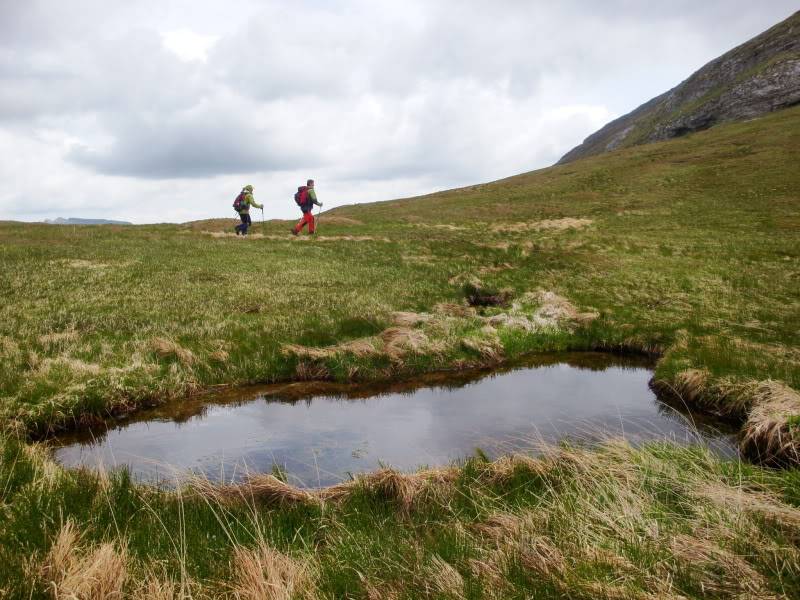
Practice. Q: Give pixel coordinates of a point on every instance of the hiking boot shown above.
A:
(293, 231)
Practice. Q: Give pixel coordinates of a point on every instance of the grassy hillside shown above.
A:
(688, 249)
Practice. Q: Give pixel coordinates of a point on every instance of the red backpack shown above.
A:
(301, 197)
(239, 203)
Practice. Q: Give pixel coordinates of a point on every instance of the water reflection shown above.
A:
(321, 432)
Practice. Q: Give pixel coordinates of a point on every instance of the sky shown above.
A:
(160, 111)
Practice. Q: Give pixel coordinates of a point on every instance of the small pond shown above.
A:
(319, 433)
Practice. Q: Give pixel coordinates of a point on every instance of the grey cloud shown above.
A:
(128, 74)
(181, 145)
(450, 91)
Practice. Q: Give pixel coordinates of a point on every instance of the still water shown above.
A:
(321, 433)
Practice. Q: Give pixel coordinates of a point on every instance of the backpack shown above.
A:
(239, 204)
(301, 197)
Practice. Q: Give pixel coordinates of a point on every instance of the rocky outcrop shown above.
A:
(758, 77)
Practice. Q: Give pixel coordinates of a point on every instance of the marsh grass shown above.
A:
(658, 521)
(688, 250)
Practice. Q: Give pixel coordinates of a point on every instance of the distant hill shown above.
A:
(76, 221)
(758, 77)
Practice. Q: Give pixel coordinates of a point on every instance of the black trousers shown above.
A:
(246, 222)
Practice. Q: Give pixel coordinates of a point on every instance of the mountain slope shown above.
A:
(760, 76)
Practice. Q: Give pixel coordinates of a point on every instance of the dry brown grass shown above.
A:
(297, 239)
(504, 468)
(554, 224)
(442, 578)
(360, 347)
(465, 278)
(394, 342)
(262, 488)
(376, 591)
(443, 226)
(331, 238)
(766, 406)
(516, 538)
(489, 347)
(335, 220)
(219, 356)
(77, 366)
(604, 509)
(49, 341)
(79, 263)
(402, 488)
(8, 347)
(498, 527)
(154, 587)
(553, 312)
(263, 573)
(92, 573)
(230, 234)
(455, 310)
(716, 570)
(691, 384)
(48, 470)
(310, 370)
(541, 555)
(737, 501)
(419, 259)
(558, 309)
(400, 341)
(409, 319)
(166, 348)
(768, 433)
(495, 268)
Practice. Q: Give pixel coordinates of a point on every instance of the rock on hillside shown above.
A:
(758, 77)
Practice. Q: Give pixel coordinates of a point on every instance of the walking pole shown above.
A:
(319, 210)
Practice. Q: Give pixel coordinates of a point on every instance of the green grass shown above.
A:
(612, 522)
(688, 249)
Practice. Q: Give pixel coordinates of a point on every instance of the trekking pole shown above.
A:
(319, 210)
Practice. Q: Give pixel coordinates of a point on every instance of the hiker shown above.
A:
(306, 198)
(242, 205)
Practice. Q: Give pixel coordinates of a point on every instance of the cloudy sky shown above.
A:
(153, 111)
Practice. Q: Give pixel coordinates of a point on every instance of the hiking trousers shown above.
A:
(246, 222)
(308, 217)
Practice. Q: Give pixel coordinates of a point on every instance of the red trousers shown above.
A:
(307, 218)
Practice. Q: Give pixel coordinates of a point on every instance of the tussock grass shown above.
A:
(97, 573)
(165, 348)
(263, 573)
(768, 432)
(616, 522)
(263, 489)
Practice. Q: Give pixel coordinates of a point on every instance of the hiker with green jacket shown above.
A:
(242, 205)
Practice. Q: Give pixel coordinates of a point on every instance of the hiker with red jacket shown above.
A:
(306, 198)
(242, 205)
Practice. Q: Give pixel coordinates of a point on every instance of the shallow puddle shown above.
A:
(319, 433)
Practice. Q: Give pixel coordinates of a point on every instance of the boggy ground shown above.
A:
(660, 522)
(688, 249)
